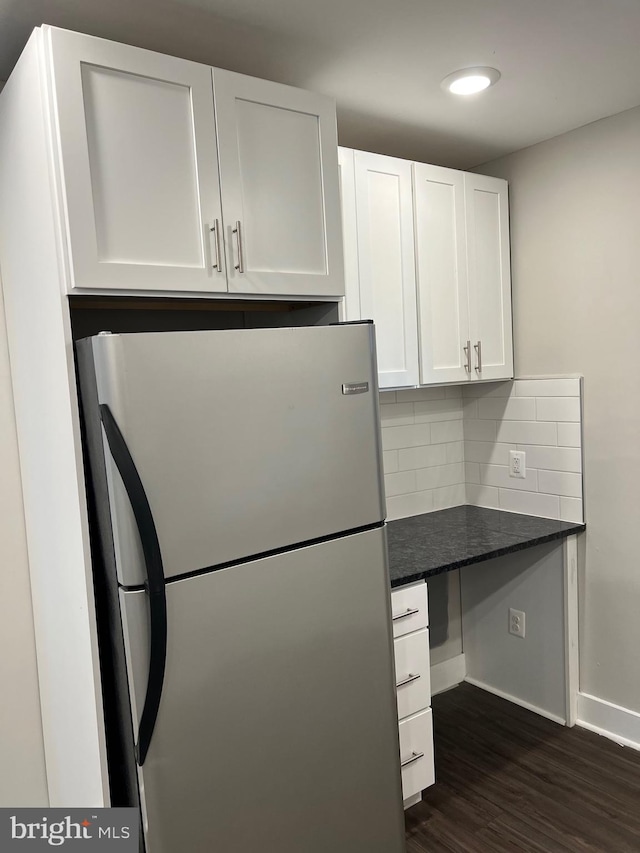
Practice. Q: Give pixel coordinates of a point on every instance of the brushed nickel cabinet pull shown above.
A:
(415, 756)
(238, 232)
(467, 353)
(478, 348)
(408, 680)
(216, 231)
(410, 612)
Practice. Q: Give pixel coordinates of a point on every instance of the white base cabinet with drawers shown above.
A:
(410, 616)
(428, 261)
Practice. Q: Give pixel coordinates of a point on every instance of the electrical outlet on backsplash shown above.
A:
(449, 445)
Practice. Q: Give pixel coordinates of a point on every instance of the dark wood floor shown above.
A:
(509, 781)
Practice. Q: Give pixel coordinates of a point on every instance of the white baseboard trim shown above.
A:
(516, 701)
(447, 674)
(609, 720)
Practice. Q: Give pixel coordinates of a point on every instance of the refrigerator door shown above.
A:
(245, 441)
(277, 728)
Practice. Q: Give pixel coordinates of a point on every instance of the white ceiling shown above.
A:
(564, 63)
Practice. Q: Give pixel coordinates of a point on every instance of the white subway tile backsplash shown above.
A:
(483, 496)
(437, 410)
(395, 437)
(571, 509)
(480, 430)
(527, 432)
(420, 395)
(423, 461)
(560, 483)
(569, 435)
(530, 503)
(389, 461)
(446, 431)
(489, 452)
(448, 496)
(552, 458)
(470, 408)
(402, 506)
(488, 389)
(400, 483)
(498, 475)
(422, 457)
(558, 409)
(471, 472)
(397, 414)
(440, 475)
(547, 388)
(454, 451)
(449, 445)
(507, 408)
(453, 391)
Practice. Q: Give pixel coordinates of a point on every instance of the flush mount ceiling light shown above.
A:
(468, 81)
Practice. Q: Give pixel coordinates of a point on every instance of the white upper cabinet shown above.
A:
(487, 227)
(139, 175)
(141, 140)
(384, 254)
(432, 259)
(442, 274)
(278, 171)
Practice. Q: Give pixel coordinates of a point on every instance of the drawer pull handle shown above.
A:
(408, 680)
(415, 756)
(410, 612)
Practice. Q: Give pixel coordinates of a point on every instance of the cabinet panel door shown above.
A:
(384, 211)
(138, 158)
(487, 215)
(413, 673)
(279, 177)
(346, 174)
(416, 753)
(442, 273)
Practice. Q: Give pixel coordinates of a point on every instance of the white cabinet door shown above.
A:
(413, 673)
(277, 148)
(442, 273)
(139, 182)
(386, 258)
(487, 225)
(347, 179)
(416, 753)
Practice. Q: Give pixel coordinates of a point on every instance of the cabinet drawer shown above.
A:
(413, 674)
(409, 609)
(416, 753)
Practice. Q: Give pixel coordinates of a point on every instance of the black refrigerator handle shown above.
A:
(154, 585)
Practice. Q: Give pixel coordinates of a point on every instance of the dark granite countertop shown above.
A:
(436, 542)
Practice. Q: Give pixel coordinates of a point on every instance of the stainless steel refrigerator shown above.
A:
(239, 512)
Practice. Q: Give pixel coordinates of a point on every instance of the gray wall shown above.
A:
(22, 772)
(529, 670)
(575, 225)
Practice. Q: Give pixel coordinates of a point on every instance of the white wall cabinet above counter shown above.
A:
(427, 252)
(173, 176)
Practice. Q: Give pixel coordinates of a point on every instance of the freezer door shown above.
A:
(277, 730)
(245, 441)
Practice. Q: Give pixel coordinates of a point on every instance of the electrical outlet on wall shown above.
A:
(517, 464)
(516, 622)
